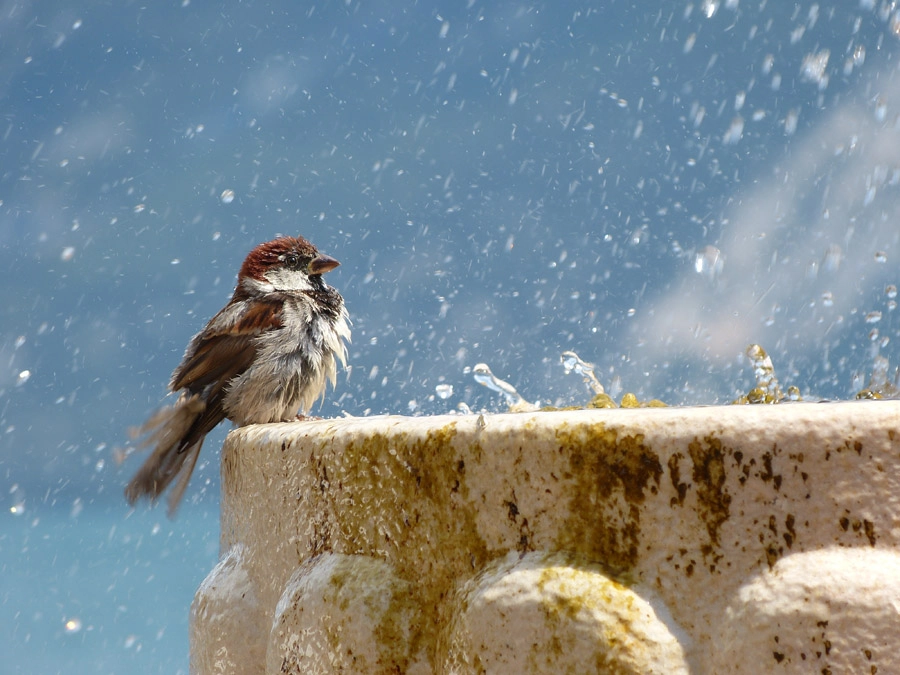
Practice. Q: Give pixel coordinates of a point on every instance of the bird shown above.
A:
(266, 356)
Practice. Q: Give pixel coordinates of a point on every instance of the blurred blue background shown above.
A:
(654, 186)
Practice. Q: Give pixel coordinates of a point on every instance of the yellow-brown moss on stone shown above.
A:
(745, 487)
(681, 487)
(708, 457)
(399, 632)
(428, 482)
(610, 473)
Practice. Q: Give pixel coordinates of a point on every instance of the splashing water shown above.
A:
(444, 391)
(570, 362)
(764, 372)
(514, 400)
(881, 385)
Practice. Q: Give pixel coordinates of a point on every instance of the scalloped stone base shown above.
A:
(738, 539)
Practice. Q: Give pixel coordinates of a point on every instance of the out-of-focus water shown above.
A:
(650, 187)
(104, 591)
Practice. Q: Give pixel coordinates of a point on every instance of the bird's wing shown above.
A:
(222, 350)
(219, 353)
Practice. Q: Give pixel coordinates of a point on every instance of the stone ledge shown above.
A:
(695, 540)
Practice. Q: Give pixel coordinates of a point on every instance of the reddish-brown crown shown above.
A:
(270, 254)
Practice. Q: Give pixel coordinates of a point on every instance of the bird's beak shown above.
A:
(321, 264)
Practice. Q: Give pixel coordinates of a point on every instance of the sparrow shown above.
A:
(265, 356)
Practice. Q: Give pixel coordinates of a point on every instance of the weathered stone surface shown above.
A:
(228, 616)
(454, 543)
(348, 614)
(555, 613)
(835, 610)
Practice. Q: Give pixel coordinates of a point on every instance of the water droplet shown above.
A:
(890, 290)
(833, 257)
(880, 109)
(873, 334)
(764, 372)
(572, 362)
(709, 262)
(814, 68)
(444, 391)
(790, 122)
(483, 376)
(870, 195)
(67, 253)
(689, 43)
(73, 625)
(828, 299)
(873, 317)
(880, 257)
(227, 196)
(23, 377)
(698, 116)
(139, 208)
(734, 132)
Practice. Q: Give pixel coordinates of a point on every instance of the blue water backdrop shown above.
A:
(654, 186)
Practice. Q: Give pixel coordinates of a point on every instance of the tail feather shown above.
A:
(184, 477)
(172, 433)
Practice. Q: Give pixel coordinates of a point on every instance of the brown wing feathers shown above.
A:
(214, 357)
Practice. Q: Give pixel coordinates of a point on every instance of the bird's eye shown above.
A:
(291, 260)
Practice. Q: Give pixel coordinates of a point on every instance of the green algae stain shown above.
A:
(611, 476)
